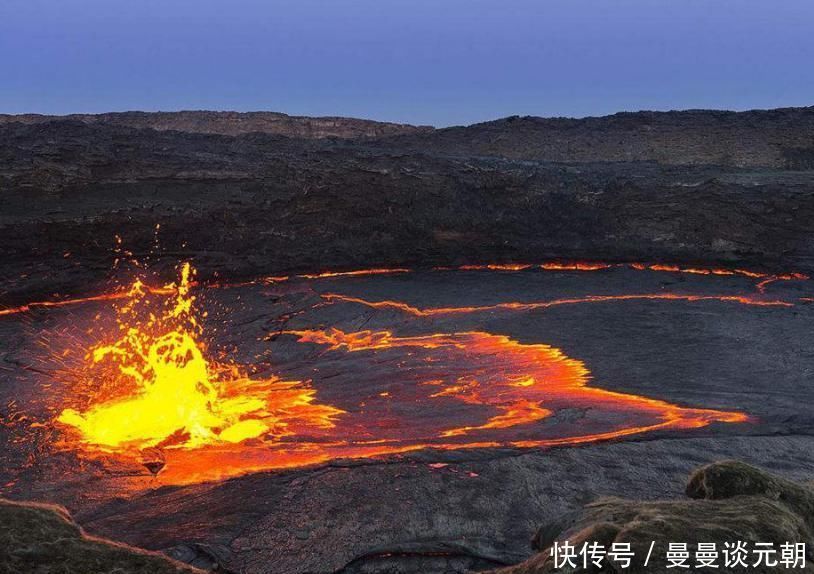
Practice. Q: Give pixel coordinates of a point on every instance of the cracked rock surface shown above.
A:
(693, 189)
(43, 539)
(441, 510)
(730, 502)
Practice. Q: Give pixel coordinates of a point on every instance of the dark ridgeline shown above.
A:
(268, 193)
(782, 138)
(232, 123)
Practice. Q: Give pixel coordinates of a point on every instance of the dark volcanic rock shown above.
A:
(437, 511)
(724, 480)
(43, 539)
(782, 138)
(261, 203)
(737, 502)
(233, 123)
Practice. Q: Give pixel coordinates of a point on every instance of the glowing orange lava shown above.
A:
(515, 306)
(164, 392)
(522, 384)
(153, 385)
(447, 391)
(766, 278)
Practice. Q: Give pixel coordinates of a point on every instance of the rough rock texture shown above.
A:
(435, 510)
(261, 203)
(233, 123)
(729, 479)
(782, 138)
(733, 502)
(44, 539)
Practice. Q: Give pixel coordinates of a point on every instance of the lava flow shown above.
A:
(150, 391)
(162, 391)
(520, 384)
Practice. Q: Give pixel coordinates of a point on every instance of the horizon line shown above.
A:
(400, 123)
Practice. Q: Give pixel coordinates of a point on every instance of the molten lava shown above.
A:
(150, 390)
(162, 391)
(520, 384)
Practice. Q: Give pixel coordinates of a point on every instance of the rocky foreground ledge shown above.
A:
(727, 502)
(42, 538)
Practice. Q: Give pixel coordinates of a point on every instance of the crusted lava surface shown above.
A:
(460, 389)
(555, 322)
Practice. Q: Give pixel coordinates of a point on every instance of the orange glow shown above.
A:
(152, 384)
(496, 267)
(507, 391)
(521, 412)
(165, 392)
(521, 384)
(357, 273)
(550, 266)
(537, 374)
(575, 266)
(515, 306)
(115, 296)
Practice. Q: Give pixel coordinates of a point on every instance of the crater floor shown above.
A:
(479, 403)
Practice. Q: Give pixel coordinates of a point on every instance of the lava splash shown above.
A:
(160, 390)
(151, 390)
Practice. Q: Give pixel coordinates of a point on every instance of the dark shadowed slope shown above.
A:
(44, 539)
(261, 203)
(233, 123)
(782, 138)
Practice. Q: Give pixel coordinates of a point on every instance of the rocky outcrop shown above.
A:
(258, 204)
(266, 204)
(782, 138)
(233, 123)
(729, 502)
(44, 539)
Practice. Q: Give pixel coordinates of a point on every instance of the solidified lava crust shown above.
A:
(400, 393)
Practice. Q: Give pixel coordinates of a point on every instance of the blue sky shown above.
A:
(440, 62)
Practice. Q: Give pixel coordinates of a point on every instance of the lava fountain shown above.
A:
(160, 390)
(150, 392)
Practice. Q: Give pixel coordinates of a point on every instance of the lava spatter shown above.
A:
(150, 385)
(162, 390)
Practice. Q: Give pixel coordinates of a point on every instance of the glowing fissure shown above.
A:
(153, 385)
(515, 306)
(766, 278)
(526, 383)
(563, 266)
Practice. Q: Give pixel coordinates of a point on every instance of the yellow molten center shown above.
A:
(174, 396)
